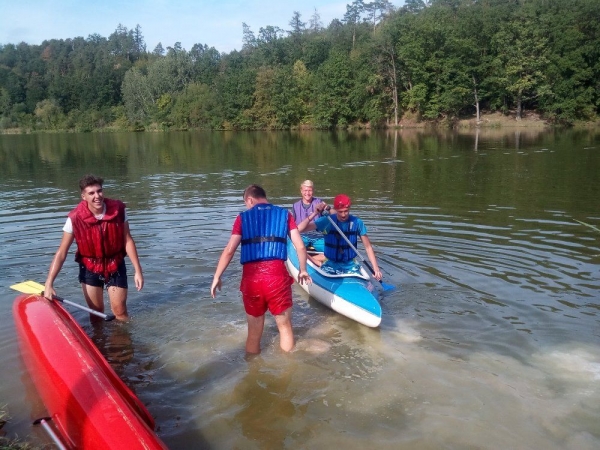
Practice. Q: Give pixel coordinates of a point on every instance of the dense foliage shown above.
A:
(429, 60)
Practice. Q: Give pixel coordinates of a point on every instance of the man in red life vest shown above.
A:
(263, 230)
(99, 226)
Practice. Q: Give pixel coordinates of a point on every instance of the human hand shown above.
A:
(378, 275)
(138, 277)
(216, 285)
(304, 277)
(49, 291)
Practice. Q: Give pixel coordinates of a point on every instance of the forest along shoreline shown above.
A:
(494, 120)
(425, 63)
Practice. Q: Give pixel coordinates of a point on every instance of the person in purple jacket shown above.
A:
(311, 206)
(307, 204)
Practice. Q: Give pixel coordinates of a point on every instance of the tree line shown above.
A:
(436, 60)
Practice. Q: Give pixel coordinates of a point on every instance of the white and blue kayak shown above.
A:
(352, 295)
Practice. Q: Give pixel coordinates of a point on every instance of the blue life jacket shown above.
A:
(336, 247)
(264, 233)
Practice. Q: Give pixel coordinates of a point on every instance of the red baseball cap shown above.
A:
(341, 201)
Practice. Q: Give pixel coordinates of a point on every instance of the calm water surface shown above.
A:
(491, 341)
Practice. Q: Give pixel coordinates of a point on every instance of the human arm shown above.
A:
(308, 224)
(131, 250)
(224, 261)
(371, 255)
(303, 275)
(57, 262)
(320, 207)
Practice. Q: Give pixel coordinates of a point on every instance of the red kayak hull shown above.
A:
(89, 404)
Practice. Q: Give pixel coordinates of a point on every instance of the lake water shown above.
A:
(490, 341)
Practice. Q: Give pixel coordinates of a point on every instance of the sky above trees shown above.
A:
(217, 23)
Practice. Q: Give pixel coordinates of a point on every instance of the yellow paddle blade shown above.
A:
(28, 287)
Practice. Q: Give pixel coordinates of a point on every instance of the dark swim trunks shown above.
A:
(117, 279)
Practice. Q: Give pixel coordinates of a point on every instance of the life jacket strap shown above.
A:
(261, 239)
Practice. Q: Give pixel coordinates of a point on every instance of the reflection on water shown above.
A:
(490, 341)
(114, 341)
(264, 403)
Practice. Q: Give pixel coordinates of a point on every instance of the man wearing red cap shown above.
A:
(340, 256)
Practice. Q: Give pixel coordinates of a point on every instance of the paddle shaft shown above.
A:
(107, 317)
(32, 287)
(44, 423)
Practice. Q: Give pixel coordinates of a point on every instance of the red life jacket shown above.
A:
(100, 243)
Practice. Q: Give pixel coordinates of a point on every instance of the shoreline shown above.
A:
(496, 120)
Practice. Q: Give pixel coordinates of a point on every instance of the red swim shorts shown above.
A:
(266, 285)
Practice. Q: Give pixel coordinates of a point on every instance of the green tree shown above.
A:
(272, 48)
(122, 43)
(235, 89)
(471, 43)
(315, 25)
(573, 69)
(195, 107)
(385, 77)
(4, 102)
(303, 82)
(139, 45)
(49, 113)
(158, 50)
(316, 51)
(521, 61)
(354, 12)
(171, 73)
(333, 85)
(414, 6)
(377, 10)
(413, 53)
(15, 87)
(287, 96)
(35, 90)
(367, 97)
(296, 37)
(262, 112)
(298, 27)
(137, 95)
(205, 63)
(248, 38)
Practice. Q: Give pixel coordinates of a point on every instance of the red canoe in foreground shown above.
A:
(89, 404)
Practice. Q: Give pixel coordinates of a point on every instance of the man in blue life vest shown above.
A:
(266, 285)
(339, 255)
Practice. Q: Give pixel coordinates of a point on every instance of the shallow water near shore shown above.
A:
(491, 339)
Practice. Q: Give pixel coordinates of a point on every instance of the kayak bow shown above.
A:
(352, 295)
(90, 405)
